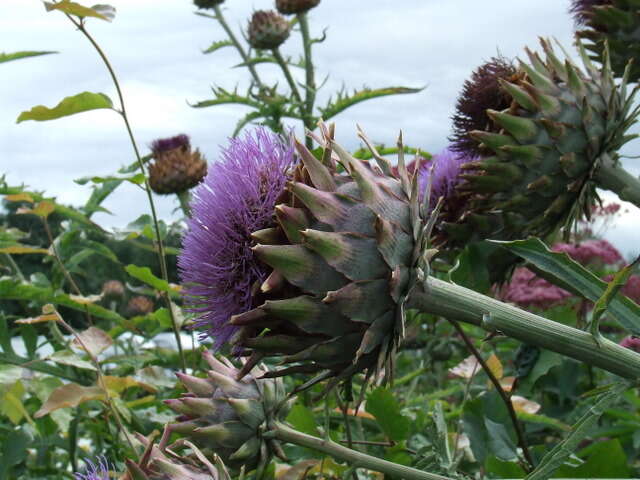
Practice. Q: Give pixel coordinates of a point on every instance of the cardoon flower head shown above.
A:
(591, 251)
(99, 471)
(581, 9)
(480, 92)
(237, 197)
(165, 144)
(445, 175)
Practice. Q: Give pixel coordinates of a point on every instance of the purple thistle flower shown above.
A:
(236, 198)
(165, 144)
(99, 471)
(447, 165)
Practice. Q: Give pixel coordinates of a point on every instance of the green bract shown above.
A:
(562, 124)
(224, 416)
(344, 257)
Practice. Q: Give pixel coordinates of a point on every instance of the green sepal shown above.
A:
(200, 407)
(353, 255)
(320, 175)
(134, 471)
(539, 80)
(248, 450)
(301, 267)
(520, 95)
(292, 220)
(199, 386)
(361, 301)
(308, 314)
(231, 434)
(268, 236)
(522, 129)
(393, 243)
(279, 344)
(249, 411)
(376, 333)
(491, 140)
(331, 352)
(529, 155)
(327, 207)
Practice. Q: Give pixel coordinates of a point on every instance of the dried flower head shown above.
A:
(95, 471)
(207, 4)
(291, 7)
(480, 92)
(237, 197)
(267, 30)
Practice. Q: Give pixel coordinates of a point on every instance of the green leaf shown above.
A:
(81, 102)
(218, 45)
(7, 57)
(302, 419)
(559, 269)
(382, 404)
(606, 460)
(137, 179)
(14, 450)
(503, 469)
(344, 100)
(224, 97)
(500, 443)
(67, 357)
(103, 12)
(614, 286)
(470, 269)
(145, 275)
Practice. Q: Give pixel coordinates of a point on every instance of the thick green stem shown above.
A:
(14, 266)
(237, 45)
(123, 112)
(459, 303)
(289, 435)
(611, 176)
(310, 79)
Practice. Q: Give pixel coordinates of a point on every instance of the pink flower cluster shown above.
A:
(591, 252)
(526, 289)
(631, 342)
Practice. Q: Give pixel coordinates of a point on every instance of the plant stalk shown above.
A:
(310, 80)
(14, 266)
(238, 46)
(611, 176)
(292, 83)
(185, 198)
(287, 434)
(154, 216)
(458, 303)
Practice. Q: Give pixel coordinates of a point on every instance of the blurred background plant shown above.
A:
(88, 317)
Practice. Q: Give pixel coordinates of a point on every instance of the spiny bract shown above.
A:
(225, 416)
(344, 256)
(616, 22)
(562, 123)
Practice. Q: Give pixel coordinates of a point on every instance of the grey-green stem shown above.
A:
(292, 83)
(611, 176)
(357, 459)
(185, 200)
(459, 303)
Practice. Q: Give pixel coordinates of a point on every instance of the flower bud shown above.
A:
(267, 30)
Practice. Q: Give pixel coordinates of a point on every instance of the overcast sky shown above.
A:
(155, 47)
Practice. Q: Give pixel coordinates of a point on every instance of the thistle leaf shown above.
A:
(7, 57)
(215, 46)
(81, 102)
(345, 100)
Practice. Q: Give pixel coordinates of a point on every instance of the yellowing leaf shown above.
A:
(467, 368)
(81, 102)
(495, 366)
(21, 249)
(69, 395)
(49, 317)
(521, 404)
(67, 357)
(11, 405)
(120, 384)
(85, 300)
(93, 340)
(73, 8)
(19, 197)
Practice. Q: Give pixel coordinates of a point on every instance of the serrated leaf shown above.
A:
(10, 404)
(145, 275)
(67, 357)
(42, 209)
(103, 12)
(8, 57)
(93, 341)
(19, 197)
(382, 404)
(137, 179)
(344, 100)
(69, 395)
(81, 102)
(218, 45)
(561, 270)
(224, 97)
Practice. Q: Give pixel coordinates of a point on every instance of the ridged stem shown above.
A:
(464, 305)
(287, 74)
(611, 176)
(185, 198)
(355, 458)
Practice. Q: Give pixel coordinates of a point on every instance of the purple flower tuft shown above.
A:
(237, 197)
(591, 251)
(631, 342)
(581, 9)
(165, 144)
(447, 165)
(99, 471)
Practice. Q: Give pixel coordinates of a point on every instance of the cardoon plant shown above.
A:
(551, 137)
(98, 470)
(340, 257)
